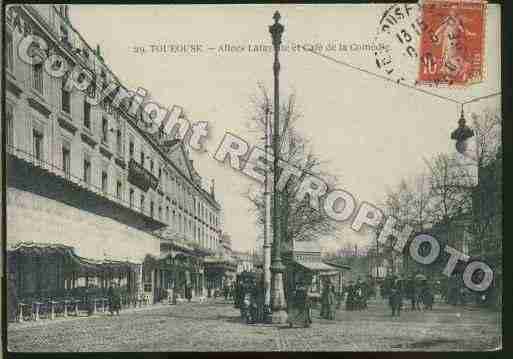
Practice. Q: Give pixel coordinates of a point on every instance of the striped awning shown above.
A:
(82, 264)
(314, 266)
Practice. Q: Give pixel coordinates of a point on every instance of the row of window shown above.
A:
(185, 198)
(176, 187)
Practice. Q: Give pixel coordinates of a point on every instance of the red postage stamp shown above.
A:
(452, 42)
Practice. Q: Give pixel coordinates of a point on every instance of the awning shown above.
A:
(82, 264)
(315, 266)
(330, 273)
(339, 266)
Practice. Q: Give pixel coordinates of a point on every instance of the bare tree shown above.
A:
(487, 195)
(450, 185)
(299, 221)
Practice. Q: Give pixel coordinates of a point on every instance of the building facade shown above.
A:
(91, 196)
(220, 268)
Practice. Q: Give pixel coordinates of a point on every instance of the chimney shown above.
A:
(66, 12)
(98, 50)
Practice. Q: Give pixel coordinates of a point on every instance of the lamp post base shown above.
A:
(279, 313)
(279, 317)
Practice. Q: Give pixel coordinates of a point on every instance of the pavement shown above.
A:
(215, 325)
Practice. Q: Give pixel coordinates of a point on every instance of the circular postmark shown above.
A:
(400, 27)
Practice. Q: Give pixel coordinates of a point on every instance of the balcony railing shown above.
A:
(30, 158)
(141, 177)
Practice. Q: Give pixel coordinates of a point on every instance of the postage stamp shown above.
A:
(452, 44)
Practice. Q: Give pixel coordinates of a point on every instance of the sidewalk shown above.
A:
(99, 314)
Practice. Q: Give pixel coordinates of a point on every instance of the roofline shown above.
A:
(124, 114)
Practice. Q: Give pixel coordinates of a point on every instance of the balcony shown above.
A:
(45, 179)
(105, 150)
(66, 122)
(141, 177)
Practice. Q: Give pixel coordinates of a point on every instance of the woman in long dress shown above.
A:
(299, 310)
(332, 302)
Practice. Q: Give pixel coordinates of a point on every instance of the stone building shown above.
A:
(91, 196)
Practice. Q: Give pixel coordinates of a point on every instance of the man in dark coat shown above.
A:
(325, 301)
(188, 291)
(350, 296)
(396, 297)
(427, 296)
(237, 292)
(226, 290)
(409, 291)
(114, 299)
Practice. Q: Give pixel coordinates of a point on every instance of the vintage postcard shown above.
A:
(276, 177)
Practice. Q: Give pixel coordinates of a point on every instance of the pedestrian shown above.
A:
(188, 291)
(395, 298)
(232, 291)
(299, 310)
(260, 298)
(427, 296)
(350, 296)
(409, 291)
(237, 292)
(225, 291)
(359, 295)
(325, 301)
(89, 299)
(245, 304)
(253, 302)
(114, 298)
(417, 292)
(332, 302)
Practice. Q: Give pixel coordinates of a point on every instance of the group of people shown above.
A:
(417, 291)
(248, 294)
(357, 295)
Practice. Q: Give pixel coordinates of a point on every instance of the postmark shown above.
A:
(452, 45)
(399, 27)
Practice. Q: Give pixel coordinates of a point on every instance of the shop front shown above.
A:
(304, 265)
(65, 243)
(220, 271)
(51, 276)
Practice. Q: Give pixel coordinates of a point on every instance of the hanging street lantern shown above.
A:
(462, 134)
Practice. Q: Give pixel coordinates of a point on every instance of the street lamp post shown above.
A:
(279, 314)
(267, 229)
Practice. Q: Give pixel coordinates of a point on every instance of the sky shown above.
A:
(371, 133)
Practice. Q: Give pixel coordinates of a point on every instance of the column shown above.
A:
(139, 281)
(152, 298)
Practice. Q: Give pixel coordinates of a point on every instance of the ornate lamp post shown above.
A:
(279, 314)
(267, 230)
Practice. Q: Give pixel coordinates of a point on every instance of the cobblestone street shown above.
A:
(216, 326)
